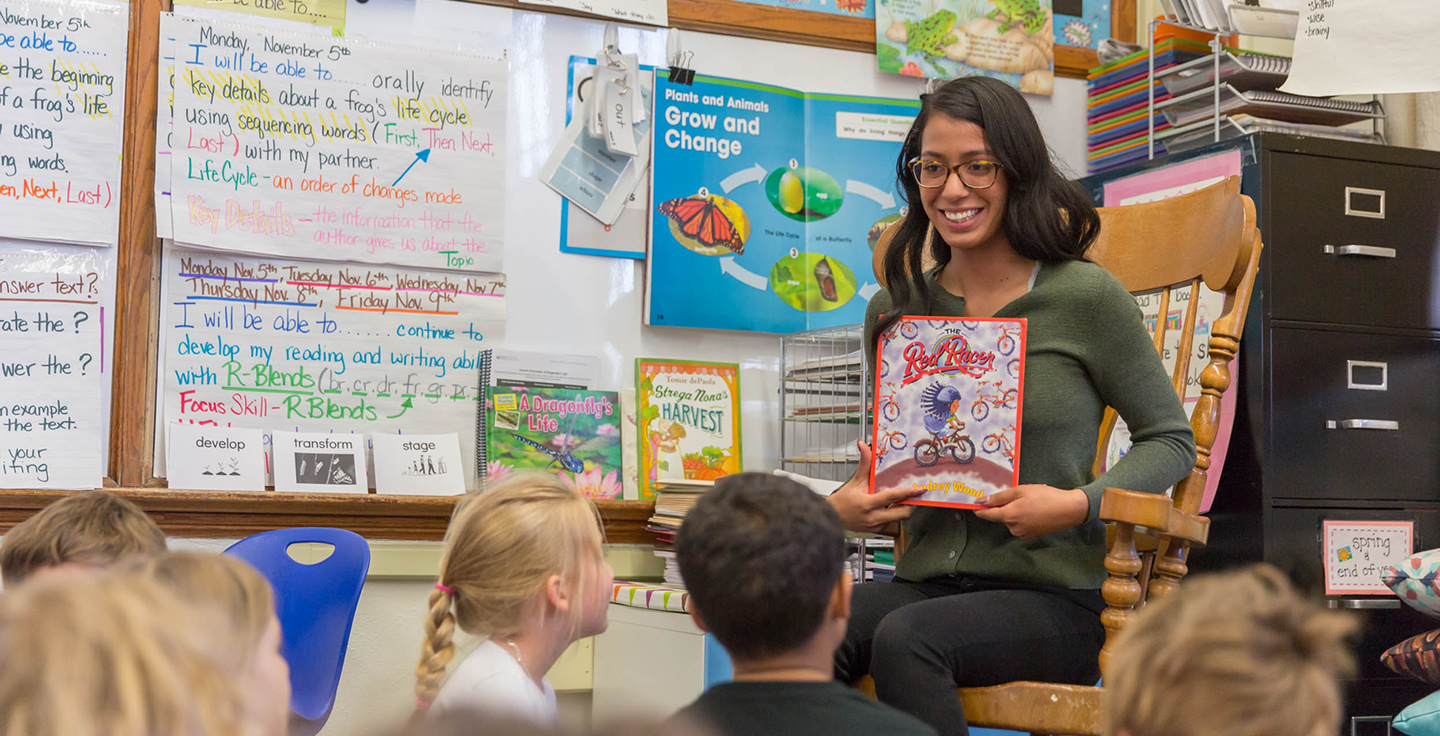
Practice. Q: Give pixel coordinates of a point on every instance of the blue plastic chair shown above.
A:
(315, 605)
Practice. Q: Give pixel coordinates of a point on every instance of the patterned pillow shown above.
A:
(1418, 657)
(1415, 581)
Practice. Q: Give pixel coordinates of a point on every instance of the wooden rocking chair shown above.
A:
(1208, 235)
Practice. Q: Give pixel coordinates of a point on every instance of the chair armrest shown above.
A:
(1154, 512)
(1150, 510)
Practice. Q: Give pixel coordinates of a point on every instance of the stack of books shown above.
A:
(1117, 129)
(1194, 87)
(840, 367)
(674, 497)
(879, 559)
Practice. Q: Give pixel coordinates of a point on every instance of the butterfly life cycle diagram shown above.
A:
(766, 204)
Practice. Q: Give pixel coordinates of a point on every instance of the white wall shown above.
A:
(594, 305)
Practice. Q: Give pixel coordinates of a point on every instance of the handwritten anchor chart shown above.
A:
(321, 147)
(765, 204)
(54, 366)
(278, 344)
(62, 92)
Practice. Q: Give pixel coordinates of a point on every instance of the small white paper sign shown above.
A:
(418, 464)
(320, 462)
(209, 458)
(1356, 552)
(1348, 47)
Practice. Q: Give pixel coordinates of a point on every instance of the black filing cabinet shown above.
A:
(1338, 393)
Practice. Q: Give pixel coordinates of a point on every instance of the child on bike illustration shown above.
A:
(942, 418)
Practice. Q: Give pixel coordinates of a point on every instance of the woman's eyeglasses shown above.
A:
(977, 174)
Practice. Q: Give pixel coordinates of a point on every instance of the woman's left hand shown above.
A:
(1032, 511)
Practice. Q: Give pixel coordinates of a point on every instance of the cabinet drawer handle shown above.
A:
(1364, 603)
(1386, 424)
(1372, 251)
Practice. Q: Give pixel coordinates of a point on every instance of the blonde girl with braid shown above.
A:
(523, 569)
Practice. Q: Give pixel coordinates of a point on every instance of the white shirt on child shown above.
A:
(490, 680)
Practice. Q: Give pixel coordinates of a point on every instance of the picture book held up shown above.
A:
(948, 393)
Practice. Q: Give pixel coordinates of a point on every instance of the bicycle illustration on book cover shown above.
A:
(947, 407)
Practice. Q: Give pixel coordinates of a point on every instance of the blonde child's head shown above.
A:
(243, 596)
(525, 549)
(1230, 654)
(112, 654)
(93, 528)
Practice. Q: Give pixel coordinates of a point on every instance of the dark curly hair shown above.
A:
(733, 545)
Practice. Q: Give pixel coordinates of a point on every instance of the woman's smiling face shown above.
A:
(965, 218)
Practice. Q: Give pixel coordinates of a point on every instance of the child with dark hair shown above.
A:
(763, 558)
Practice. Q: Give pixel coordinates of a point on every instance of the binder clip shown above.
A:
(679, 60)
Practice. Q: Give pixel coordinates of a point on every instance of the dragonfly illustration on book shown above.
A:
(565, 454)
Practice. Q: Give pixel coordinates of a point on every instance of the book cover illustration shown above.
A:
(689, 421)
(1009, 40)
(948, 394)
(572, 433)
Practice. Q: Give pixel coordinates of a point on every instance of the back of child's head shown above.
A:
(229, 585)
(1230, 654)
(93, 528)
(244, 603)
(501, 548)
(760, 555)
(111, 654)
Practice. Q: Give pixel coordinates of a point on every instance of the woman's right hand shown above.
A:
(863, 511)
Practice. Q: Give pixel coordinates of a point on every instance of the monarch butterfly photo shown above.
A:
(707, 224)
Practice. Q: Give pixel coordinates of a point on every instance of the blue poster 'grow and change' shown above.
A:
(767, 202)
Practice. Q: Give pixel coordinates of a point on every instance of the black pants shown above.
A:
(922, 640)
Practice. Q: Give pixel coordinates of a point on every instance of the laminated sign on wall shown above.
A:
(1011, 40)
(62, 113)
(318, 147)
(1348, 47)
(1356, 552)
(276, 344)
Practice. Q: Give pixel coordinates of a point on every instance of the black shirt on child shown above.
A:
(798, 709)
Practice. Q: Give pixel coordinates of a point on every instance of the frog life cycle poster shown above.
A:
(766, 204)
(1012, 40)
